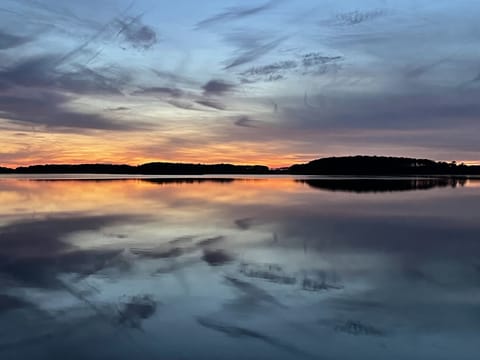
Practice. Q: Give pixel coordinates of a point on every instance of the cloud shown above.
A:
(358, 17)
(37, 91)
(211, 104)
(271, 72)
(160, 91)
(8, 41)
(130, 29)
(217, 87)
(118, 108)
(34, 71)
(182, 104)
(316, 59)
(245, 121)
(48, 109)
(84, 80)
(174, 77)
(137, 34)
(434, 109)
(420, 70)
(235, 13)
(250, 48)
(313, 63)
(187, 100)
(42, 72)
(271, 68)
(84, 45)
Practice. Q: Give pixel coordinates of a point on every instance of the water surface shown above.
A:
(239, 268)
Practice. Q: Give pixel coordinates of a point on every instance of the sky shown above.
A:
(267, 82)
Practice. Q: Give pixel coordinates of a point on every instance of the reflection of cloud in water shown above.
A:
(211, 241)
(8, 303)
(216, 257)
(358, 328)
(35, 252)
(270, 272)
(240, 332)
(312, 280)
(181, 240)
(137, 309)
(251, 295)
(159, 253)
(244, 223)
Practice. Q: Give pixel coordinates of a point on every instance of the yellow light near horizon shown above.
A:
(133, 148)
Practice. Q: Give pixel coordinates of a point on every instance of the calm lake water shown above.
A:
(244, 268)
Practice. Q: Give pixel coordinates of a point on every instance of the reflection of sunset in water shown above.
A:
(42, 196)
(369, 264)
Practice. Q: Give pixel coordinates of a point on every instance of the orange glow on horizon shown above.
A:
(278, 162)
(31, 149)
(25, 149)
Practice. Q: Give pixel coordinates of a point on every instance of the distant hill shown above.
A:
(380, 165)
(160, 168)
(4, 170)
(198, 169)
(349, 165)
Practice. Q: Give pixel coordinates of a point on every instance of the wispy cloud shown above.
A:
(270, 72)
(136, 33)
(182, 104)
(118, 108)
(245, 121)
(160, 91)
(251, 48)
(315, 59)
(8, 41)
(217, 87)
(420, 70)
(358, 17)
(313, 63)
(235, 13)
(43, 72)
(211, 104)
(48, 109)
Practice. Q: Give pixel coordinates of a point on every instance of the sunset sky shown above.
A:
(251, 81)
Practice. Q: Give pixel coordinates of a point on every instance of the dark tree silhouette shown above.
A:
(380, 165)
(350, 165)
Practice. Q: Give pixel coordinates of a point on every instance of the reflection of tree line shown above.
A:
(158, 181)
(383, 185)
(358, 185)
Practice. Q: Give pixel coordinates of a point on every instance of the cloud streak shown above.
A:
(49, 110)
(217, 87)
(251, 50)
(8, 41)
(357, 17)
(235, 13)
(137, 34)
